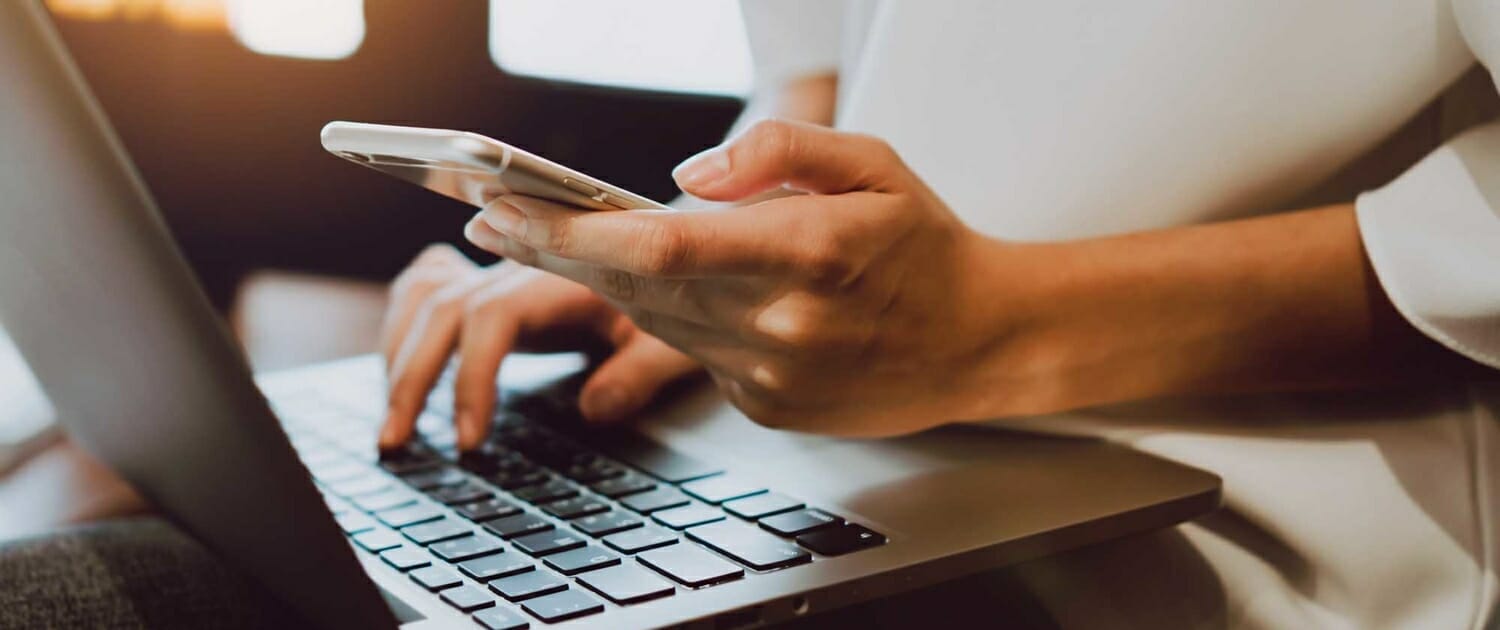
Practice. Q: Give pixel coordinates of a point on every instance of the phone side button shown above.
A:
(615, 201)
(580, 187)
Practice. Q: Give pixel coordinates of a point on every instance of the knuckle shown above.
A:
(773, 136)
(828, 262)
(558, 238)
(616, 284)
(665, 249)
(799, 332)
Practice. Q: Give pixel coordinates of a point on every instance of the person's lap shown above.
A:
(145, 573)
(131, 573)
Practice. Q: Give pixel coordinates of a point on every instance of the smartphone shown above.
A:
(472, 168)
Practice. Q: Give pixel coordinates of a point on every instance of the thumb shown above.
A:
(631, 377)
(775, 153)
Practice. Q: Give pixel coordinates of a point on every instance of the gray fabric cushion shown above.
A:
(135, 573)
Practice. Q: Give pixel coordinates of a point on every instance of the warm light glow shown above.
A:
(676, 45)
(183, 14)
(311, 29)
(85, 9)
(196, 14)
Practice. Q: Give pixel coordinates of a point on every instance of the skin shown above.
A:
(844, 297)
(443, 305)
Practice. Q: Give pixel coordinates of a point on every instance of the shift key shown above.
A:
(750, 546)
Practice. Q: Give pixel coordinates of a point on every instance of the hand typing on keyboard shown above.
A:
(443, 304)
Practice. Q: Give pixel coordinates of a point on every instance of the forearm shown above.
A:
(1285, 302)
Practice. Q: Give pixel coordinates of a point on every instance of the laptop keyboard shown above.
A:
(539, 527)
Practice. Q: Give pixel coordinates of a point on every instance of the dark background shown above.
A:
(227, 139)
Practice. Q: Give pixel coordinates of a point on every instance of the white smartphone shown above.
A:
(472, 168)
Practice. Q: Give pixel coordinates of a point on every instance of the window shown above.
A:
(317, 29)
(673, 45)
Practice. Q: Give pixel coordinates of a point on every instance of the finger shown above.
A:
(436, 266)
(489, 333)
(488, 336)
(705, 301)
(775, 153)
(631, 377)
(420, 362)
(791, 235)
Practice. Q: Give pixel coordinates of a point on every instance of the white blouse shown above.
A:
(1056, 119)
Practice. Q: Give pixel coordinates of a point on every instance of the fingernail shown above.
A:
(504, 217)
(702, 169)
(605, 404)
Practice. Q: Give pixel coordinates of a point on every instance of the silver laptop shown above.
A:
(694, 515)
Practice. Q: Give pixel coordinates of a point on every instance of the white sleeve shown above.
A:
(1433, 234)
(792, 38)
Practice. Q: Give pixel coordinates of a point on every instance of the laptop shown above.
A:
(694, 516)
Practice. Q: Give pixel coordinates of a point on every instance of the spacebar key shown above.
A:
(750, 546)
(659, 461)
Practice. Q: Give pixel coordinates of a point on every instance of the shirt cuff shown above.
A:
(1433, 237)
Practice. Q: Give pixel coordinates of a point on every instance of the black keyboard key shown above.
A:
(550, 491)
(592, 471)
(658, 499)
(378, 540)
(721, 488)
(408, 459)
(688, 516)
(442, 529)
(513, 480)
(606, 524)
(406, 558)
(538, 545)
(466, 492)
(638, 540)
(496, 566)
(799, 522)
(435, 578)
(564, 605)
(410, 515)
(354, 523)
(487, 509)
(467, 598)
(460, 549)
(842, 539)
(485, 460)
(750, 546)
(501, 618)
(581, 559)
(435, 478)
(518, 525)
(622, 486)
(530, 584)
(626, 584)
(575, 507)
(659, 461)
(385, 500)
(762, 505)
(690, 565)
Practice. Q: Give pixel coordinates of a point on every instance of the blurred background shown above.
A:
(219, 102)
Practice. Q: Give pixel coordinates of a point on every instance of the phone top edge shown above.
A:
(349, 139)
